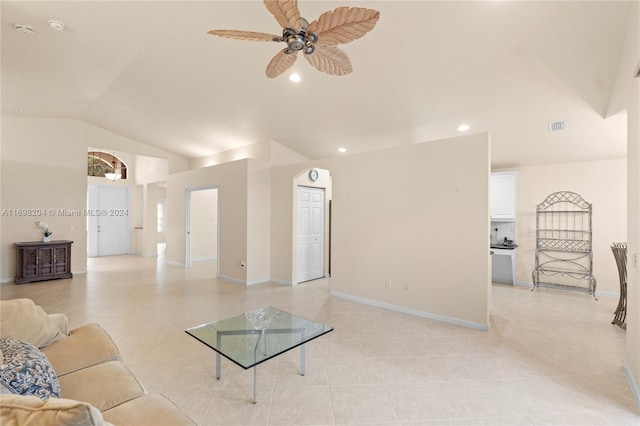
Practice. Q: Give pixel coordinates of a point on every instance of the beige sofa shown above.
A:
(95, 386)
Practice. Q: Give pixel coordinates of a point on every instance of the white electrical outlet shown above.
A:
(387, 283)
(406, 286)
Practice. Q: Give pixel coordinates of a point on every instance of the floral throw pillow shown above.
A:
(25, 370)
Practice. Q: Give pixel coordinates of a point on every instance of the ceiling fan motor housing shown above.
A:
(296, 42)
(299, 40)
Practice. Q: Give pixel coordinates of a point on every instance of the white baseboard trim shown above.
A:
(232, 280)
(633, 384)
(441, 318)
(282, 282)
(79, 272)
(204, 258)
(172, 263)
(6, 280)
(243, 282)
(610, 294)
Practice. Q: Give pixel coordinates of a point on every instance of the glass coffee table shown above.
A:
(256, 336)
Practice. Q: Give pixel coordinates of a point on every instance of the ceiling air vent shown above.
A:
(26, 29)
(557, 126)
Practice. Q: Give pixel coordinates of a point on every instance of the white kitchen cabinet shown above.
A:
(503, 195)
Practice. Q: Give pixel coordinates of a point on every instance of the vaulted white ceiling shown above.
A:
(149, 71)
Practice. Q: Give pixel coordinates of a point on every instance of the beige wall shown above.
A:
(258, 218)
(633, 237)
(231, 181)
(269, 151)
(162, 196)
(630, 61)
(43, 166)
(408, 215)
(150, 169)
(601, 183)
(150, 219)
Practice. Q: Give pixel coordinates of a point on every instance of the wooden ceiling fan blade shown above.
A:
(286, 12)
(243, 35)
(343, 24)
(280, 63)
(330, 60)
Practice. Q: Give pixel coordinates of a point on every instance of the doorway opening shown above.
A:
(312, 225)
(107, 213)
(202, 227)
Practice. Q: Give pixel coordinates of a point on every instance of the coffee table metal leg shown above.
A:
(218, 375)
(218, 339)
(255, 374)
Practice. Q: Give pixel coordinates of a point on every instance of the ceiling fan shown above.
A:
(318, 39)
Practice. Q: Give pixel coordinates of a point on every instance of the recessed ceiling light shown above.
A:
(26, 29)
(342, 149)
(56, 25)
(463, 127)
(295, 78)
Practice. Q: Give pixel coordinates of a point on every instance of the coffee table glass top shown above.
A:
(254, 337)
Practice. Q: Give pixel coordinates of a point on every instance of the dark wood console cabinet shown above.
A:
(40, 261)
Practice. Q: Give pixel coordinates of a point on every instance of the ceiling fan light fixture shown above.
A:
(113, 176)
(295, 77)
(116, 174)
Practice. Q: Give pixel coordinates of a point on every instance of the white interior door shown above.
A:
(310, 233)
(108, 221)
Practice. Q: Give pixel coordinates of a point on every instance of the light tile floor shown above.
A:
(551, 358)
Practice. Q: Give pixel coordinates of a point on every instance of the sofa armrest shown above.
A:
(62, 322)
(24, 320)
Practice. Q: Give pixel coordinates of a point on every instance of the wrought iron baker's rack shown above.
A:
(564, 252)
